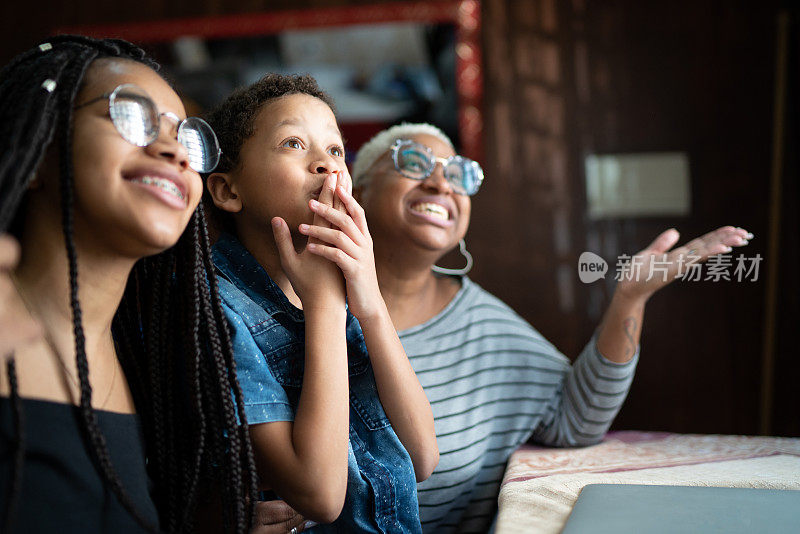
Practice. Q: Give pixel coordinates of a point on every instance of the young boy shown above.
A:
(341, 428)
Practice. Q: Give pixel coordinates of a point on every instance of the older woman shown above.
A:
(492, 380)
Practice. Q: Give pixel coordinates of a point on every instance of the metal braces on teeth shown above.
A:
(163, 184)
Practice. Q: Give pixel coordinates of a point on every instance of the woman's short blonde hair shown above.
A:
(383, 141)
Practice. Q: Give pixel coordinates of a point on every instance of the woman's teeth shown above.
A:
(161, 183)
(434, 210)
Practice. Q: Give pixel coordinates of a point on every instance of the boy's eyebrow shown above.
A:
(289, 122)
(295, 122)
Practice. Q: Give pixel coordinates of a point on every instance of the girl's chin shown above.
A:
(160, 237)
(158, 244)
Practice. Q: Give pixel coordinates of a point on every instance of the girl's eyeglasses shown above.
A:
(138, 121)
(417, 161)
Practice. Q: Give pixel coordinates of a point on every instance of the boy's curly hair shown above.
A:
(233, 119)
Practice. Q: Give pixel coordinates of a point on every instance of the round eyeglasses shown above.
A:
(136, 118)
(417, 161)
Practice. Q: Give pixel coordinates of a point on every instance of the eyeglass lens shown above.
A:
(416, 161)
(201, 144)
(137, 120)
(134, 115)
(465, 175)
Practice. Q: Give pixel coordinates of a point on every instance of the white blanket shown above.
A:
(541, 485)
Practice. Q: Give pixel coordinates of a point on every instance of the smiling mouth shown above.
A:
(161, 183)
(431, 209)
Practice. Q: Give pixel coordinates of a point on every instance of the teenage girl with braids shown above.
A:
(131, 356)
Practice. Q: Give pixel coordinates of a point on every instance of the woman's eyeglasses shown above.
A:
(417, 161)
(138, 121)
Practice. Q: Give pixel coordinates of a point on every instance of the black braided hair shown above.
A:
(194, 420)
(170, 333)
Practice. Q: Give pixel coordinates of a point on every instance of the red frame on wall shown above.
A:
(464, 14)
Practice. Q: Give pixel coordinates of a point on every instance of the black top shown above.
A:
(61, 489)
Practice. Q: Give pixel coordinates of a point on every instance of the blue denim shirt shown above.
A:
(268, 335)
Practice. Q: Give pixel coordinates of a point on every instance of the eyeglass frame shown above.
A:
(179, 123)
(434, 159)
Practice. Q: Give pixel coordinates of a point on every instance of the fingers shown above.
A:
(276, 517)
(341, 181)
(733, 237)
(341, 220)
(354, 209)
(347, 180)
(326, 197)
(9, 252)
(665, 241)
(720, 241)
(730, 231)
(331, 236)
(336, 255)
(328, 186)
(283, 240)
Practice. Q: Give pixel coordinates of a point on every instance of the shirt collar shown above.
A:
(235, 263)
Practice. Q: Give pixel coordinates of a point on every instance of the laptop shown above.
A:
(631, 508)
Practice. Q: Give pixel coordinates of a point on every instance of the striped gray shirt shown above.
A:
(493, 383)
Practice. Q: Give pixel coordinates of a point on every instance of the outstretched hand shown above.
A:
(667, 265)
(16, 325)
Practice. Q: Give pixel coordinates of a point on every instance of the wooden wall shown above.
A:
(571, 78)
(566, 78)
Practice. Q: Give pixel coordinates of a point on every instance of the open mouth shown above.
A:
(163, 184)
(431, 209)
